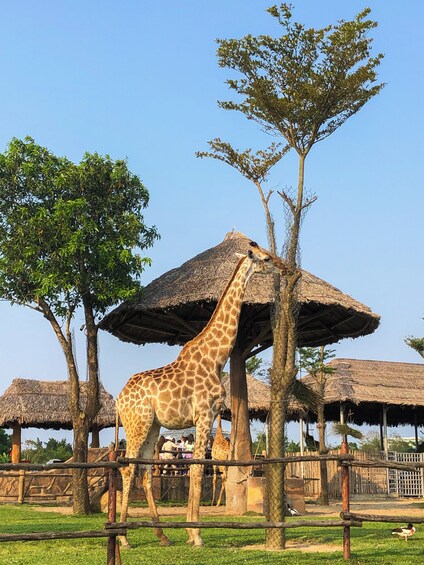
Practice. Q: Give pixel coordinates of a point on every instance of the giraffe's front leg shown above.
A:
(196, 476)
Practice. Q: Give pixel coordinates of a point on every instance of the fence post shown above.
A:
(345, 498)
(112, 546)
(21, 486)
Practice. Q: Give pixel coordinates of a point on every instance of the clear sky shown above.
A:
(140, 80)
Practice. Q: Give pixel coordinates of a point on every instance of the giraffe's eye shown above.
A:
(267, 259)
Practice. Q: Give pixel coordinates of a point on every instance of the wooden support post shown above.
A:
(16, 443)
(95, 436)
(113, 553)
(302, 446)
(345, 499)
(21, 486)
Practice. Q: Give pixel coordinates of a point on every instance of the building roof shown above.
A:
(366, 386)
(45, 404)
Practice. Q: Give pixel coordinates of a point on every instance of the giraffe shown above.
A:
(220, 451)
(186, 392)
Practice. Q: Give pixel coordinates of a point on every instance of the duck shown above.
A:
(404, 532)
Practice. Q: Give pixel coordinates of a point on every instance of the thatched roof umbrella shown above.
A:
(374, 392)
(29, 403)
(176, 306)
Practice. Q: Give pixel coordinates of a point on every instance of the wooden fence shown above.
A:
(55, 485)
(114, 529)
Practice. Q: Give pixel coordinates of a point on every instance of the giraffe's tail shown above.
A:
(116, 428)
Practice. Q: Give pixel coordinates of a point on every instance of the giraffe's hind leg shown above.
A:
(224, 471)
(141, 443)
(147, 452)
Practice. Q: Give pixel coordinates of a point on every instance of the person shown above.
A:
(157, 469)
(168, 451)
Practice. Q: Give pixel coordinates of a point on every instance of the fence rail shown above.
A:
(113, 529)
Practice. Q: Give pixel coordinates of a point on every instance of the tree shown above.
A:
(5, 444)
(300, 87)
(417, 344)
(68, 235)
(314, 360)
(37, 452)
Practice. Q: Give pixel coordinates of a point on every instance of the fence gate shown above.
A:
(406, 483)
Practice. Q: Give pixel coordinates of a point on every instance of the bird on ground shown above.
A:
(292, 511)
(404, 532)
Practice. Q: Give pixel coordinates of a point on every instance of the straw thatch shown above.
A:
(259, 395)
(366, 386)
(45, 404)
(176, 306)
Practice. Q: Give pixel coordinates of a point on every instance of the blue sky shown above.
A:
(140, 80)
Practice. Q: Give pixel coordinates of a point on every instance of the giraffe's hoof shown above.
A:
(195, 542)
(165, 541)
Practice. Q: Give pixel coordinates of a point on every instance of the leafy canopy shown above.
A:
(306, 83)
(69, 230)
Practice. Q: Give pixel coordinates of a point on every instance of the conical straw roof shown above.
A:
(177, 305)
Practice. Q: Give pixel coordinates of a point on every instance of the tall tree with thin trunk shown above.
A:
(69, 235)
(314, 360)
(300, 87)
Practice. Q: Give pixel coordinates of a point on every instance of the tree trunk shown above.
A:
(81, 501)
(283, 366)
(240, 443)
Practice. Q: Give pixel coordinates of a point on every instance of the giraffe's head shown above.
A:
(263, 261)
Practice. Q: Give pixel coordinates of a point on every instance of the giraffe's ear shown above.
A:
(240, 255)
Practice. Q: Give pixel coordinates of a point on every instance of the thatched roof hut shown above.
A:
(45, 404)
(176, 306)
(259, 396)
(29, 403)
(366, 387)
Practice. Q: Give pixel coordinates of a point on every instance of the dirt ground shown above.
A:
(384, 506)
(376, 505)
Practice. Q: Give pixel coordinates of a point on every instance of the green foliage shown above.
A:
(417, 344)
(372, 442)
(41, 452)
(256, 366)
(259, 444)
(5, 441)
(69, 230)
(306, 83)
(346, 430)
(314, 360)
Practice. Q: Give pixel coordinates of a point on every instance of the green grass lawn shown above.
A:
(373, 543)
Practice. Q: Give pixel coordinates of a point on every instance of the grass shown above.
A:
(371, 544)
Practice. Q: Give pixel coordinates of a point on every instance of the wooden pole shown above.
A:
(16, 443)
(112, 546)
(95, 436)
(345, 486)
(302, 446)
(21, 486)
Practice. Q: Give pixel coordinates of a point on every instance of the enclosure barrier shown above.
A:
(114, 529)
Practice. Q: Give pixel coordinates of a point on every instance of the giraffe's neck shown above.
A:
(218, 337)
